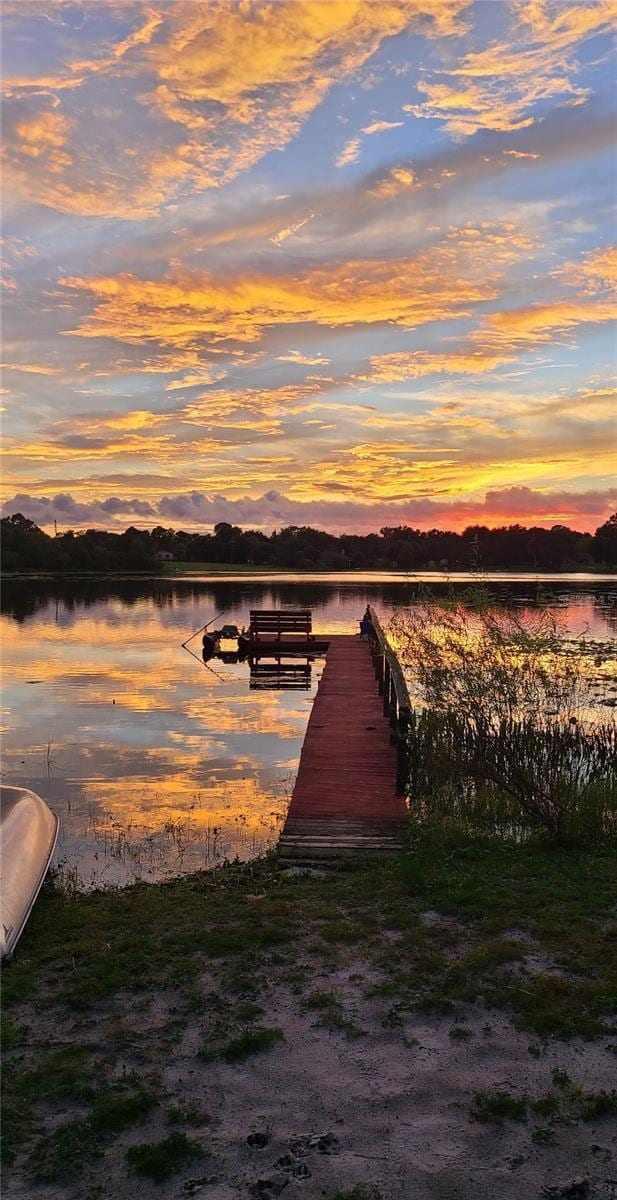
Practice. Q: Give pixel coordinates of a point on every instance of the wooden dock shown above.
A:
(347, 797)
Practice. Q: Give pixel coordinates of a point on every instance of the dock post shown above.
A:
(402, 751)
(379, 660)
(386, 686)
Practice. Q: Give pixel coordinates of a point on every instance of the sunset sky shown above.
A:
(332, 262)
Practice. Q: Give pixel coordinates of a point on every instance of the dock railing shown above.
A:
(396, 699)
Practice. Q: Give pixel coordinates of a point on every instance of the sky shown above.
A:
(333, 262)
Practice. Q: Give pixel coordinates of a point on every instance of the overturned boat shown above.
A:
(28, 834)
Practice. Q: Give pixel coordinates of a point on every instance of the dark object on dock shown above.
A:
(272, 629)
(348, 797)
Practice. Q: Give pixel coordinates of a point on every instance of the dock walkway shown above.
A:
(345, 800)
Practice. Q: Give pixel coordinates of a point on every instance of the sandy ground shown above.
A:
(390, 1108)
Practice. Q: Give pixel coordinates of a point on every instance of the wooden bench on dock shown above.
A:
(274, 625)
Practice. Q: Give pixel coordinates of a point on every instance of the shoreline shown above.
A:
(376, 575)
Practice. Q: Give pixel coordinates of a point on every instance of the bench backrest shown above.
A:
(273, 622)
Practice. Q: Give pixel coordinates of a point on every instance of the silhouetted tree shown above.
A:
(25, 547)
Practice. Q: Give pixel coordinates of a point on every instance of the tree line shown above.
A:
(26, 547)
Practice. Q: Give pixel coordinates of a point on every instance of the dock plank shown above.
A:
(345, 799)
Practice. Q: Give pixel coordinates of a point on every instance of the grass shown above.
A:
(322, 1001)
(332, 1016)
(541, 1136)
(559, 902)
(64, 1151)
(160, 1160)
(113, 1109)
(565, 1102)
(242, 1046)
(459, 1033)
(10, 1034)
(92, 958)
(496, 1107)
(67, 1074)
(205, 568)
(69, 1077)
(189, 1114)
(116, 1109)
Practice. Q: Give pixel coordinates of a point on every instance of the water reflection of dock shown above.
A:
(278, 675)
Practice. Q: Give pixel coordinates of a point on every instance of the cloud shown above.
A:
(505, 86)
(399, 366)
(187, 309)
(295, 356)
(209, 87)
(540, 323)
(283, 234)
(395, 181)
(201, 378)
(44, 136)
(596, 272)
(381, 127)
(350, 153)
(31, 368)
(197, 510)
(65, 509)
(351, 150)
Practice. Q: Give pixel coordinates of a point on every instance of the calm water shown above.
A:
(154, 763)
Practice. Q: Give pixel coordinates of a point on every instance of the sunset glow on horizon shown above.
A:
(342, 263)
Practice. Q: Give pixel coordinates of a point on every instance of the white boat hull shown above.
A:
(28, 833)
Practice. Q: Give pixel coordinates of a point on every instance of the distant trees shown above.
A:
(25, 547)
(605, 540)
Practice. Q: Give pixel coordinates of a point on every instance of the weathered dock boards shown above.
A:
(345, 799)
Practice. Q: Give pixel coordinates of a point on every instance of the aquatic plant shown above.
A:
(506, 734)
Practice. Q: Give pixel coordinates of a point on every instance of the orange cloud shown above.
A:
(31, 368)
(199, 379)
(539, 323)
(42, 137)
(499, 88)
(186, 308)
(224, 83)
(596, 272)
(397, 367)
(217, 407)
(395, 181)
(294, 356)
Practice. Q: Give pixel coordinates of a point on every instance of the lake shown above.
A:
(158, 763)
